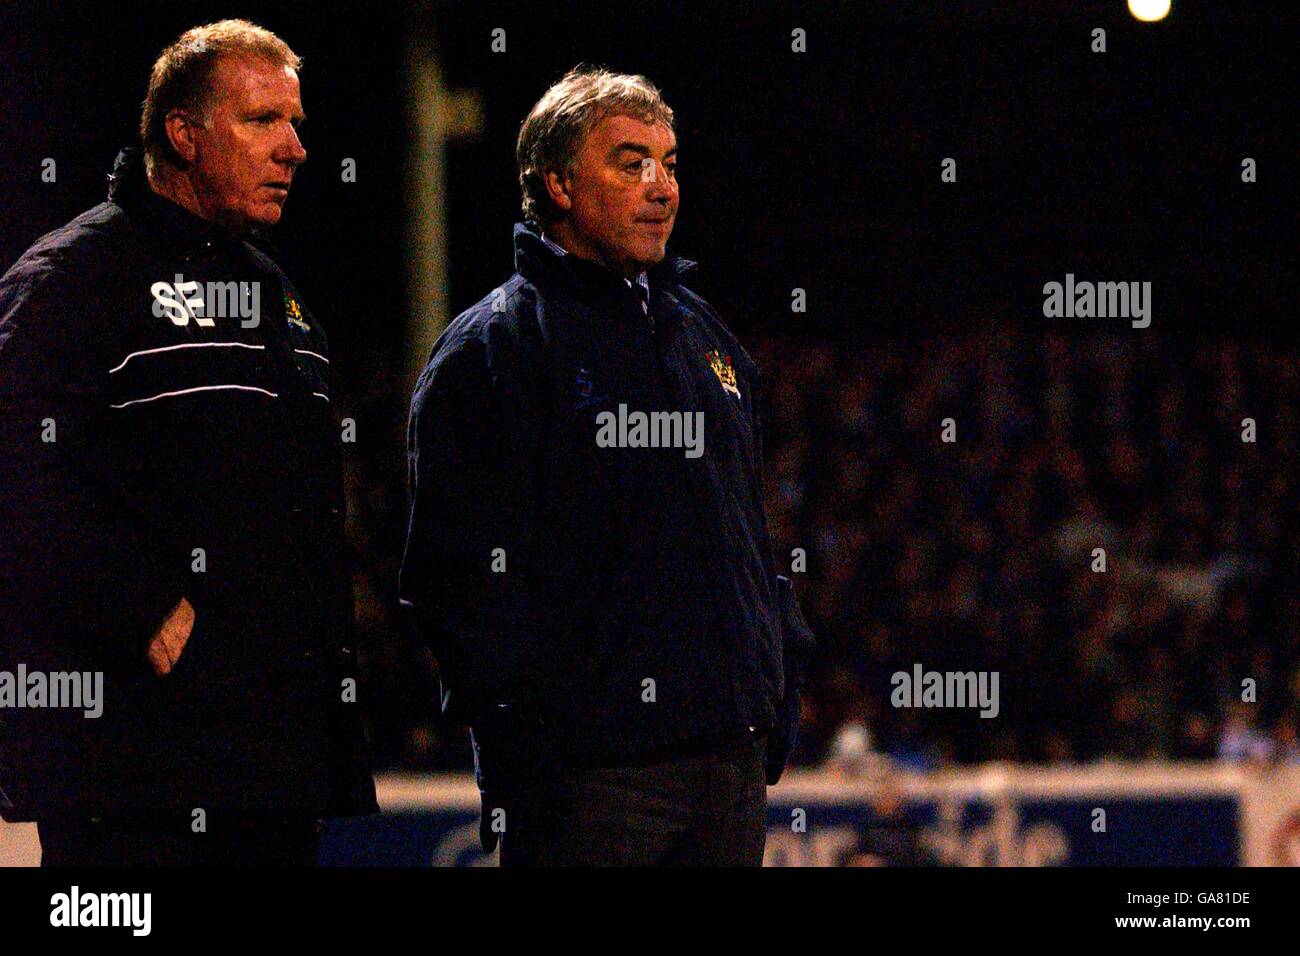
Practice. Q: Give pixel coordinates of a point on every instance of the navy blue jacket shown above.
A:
(171, 435)
(625, 596)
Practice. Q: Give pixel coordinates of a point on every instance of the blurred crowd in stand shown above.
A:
(1112, 530)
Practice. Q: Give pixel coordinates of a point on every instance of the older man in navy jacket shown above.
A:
(588, 553)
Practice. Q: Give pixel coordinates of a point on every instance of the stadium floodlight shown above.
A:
(1149, 11)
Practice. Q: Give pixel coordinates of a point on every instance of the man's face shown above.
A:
(622, 194)
(246, 154)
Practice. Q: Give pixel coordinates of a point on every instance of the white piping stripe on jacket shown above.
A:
(314, 354)
(186, 345)
(201, 388)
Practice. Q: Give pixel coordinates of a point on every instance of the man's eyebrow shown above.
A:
(630, 148)
(638, 149)
(294, 116)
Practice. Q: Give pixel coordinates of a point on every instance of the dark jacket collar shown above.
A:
(540, 264)
(173, 225)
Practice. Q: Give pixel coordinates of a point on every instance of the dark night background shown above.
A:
(821, 171)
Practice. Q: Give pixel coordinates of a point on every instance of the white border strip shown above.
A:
(408, 792)
(186, 345)
(201, 388)
(995, 782)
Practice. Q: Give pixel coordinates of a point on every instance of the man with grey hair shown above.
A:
(606, 615)
(171, 496)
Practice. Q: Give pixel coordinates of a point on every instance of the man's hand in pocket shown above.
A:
(166, 647)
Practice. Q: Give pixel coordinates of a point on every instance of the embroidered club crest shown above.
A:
(721, 365)
(293, 312)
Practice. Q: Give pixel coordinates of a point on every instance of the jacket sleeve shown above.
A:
(78, 564)
(797, 640)
(464, 573)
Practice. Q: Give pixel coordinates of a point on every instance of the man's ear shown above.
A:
(182, 131)
(557, 187)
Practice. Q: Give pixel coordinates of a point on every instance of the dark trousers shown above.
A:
(167, 839)
(705, 805)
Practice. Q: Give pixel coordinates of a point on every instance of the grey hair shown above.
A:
(555, 128)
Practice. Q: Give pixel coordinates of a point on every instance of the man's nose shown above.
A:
(291, 149)
(659, 188)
